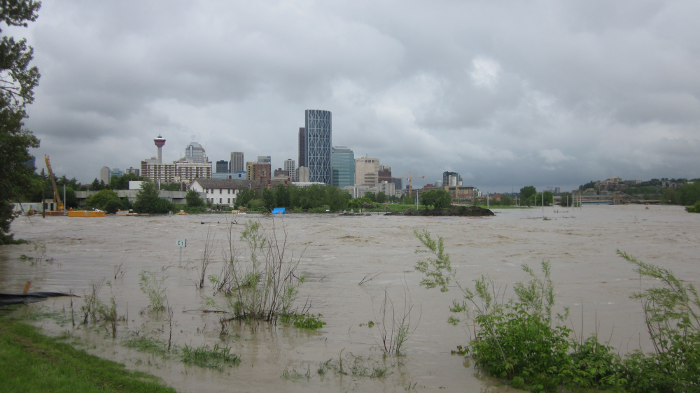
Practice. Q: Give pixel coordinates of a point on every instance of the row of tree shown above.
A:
(147, 200)
(315, 197)
(686, 195)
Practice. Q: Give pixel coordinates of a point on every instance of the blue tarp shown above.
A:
(279, 210)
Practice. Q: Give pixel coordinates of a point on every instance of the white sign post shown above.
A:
(181, 243)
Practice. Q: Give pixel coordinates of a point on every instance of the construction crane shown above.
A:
(410, 183)
(56, 195)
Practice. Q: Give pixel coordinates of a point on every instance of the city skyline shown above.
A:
(583, 91)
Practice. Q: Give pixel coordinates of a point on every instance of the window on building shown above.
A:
(221, 191)
(229, 200)
(220, 199)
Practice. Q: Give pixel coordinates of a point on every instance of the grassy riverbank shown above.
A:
(32, 362)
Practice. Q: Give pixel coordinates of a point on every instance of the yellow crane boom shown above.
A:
(56, 195)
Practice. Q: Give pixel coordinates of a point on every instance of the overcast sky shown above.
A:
(506, 93)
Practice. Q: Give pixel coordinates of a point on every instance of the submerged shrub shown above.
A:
(303, 321)
(262, 283)
(694, 208)
(518, 339)
(153, 288)
(672, 316)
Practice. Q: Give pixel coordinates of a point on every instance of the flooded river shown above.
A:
(337, 253)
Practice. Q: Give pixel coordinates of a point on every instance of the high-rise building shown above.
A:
(260, 172)
(222, 166)
(343, 166)
(187, 170)
(105, 173)
(132, 170)
(387, 187)
(153, 168)
(279, 172)
(237, 162)
(302, 146)
(451, 179)
(115, 172)
(265, 160)
(195, 151)
(319, 135)
(366, 171)
(158, 172)
(302, 174)
(290, 168)
(182, 170)
(384, 174)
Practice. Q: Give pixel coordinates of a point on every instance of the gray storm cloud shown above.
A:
(507, 93)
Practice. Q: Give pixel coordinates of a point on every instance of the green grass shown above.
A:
(303, 321)
(32, 362)
(147, 344)
(205, 357)
(202, 356)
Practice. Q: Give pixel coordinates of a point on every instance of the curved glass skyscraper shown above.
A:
(318, 145)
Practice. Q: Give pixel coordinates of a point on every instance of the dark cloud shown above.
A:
(506, 93)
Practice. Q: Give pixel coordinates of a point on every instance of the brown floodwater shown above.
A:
(336, 253)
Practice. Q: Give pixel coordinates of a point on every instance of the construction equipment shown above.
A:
(410, 183)
(56, 195)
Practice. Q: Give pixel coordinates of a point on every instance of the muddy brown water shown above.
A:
(338, 252)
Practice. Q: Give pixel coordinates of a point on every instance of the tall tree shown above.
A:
(148, 200)
(17, 82)
(526, 193)
(282, 196)
(268, 199)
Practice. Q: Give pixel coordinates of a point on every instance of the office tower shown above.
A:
(302, 146)
(319, 135)
(384, 174)
(258, 171)
(115, 172)
(105, 172)
(451, 179)
(343, 166)
(302, 174)
(290, 167)
(195, 152)
(366, 171)
(279, 172)
(237, 162)
(222, 166)
(265, 160)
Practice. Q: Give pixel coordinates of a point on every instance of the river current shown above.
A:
(337, 253)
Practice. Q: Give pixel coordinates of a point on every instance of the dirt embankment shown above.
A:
(464, 211)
